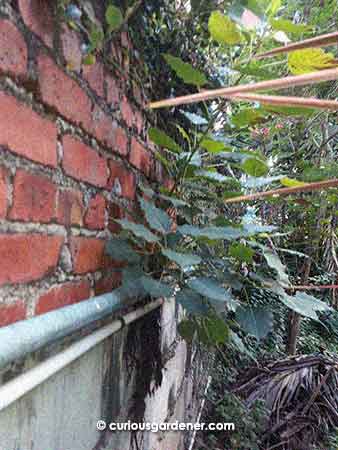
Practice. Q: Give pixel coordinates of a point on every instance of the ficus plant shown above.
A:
(186, 241)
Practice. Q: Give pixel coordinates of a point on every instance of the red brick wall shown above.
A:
(72, 150)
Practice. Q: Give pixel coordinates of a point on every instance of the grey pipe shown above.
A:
(25, 337)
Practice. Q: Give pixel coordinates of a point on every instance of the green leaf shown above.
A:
(213, 146)
(246, 117)
(212, 175)
(156, 217)
(304, 304)
(161, 139)
(224, 233)
(187, 329)
(289, 27)
(192, 302)
(256, 321)
(255, 167)
(185, 71)
(156, 288)
(289, 110)
(289, 182)
(241, 253)
(275, 263)
(138, 230)
(217, 330)
(223, 30)
(274, 7)
(207, 287)
(259, 182)
(89, 60)
(310, 60)
(96, 38)
(182, 259)
(114, 18)
(120, 250)
(176, 202)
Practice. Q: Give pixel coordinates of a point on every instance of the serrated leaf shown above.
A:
(114, 18)
(289, 182)
(256, 321)
(247, 117)
(185, 71)
(176, 202)
(138, 230)
(289, 27)
(275, 263)
(195, 118)
(155, 288)
(156, 217)
(217, 330)
(223, 30)
(255, 167)
(182, 259)
(163, 140)
(121, 251)
(304, 304)
(207, 287)
(224, 233)
(310, 60)
(192, 302)
(213, 146)
(241, 253)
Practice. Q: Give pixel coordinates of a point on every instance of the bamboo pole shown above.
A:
(313, 287)
(287, 101)
(308, 187)
(319, 41)
(279, 83)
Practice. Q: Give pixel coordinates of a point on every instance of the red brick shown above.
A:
(121, 180)
(83, 163)
(61, 296)
(26, 133)
(102, 127)
(96, 213)
(108, 284)
(114, 212)
(88, 254)
(70, 207)
(13, 49)
(94, 75)
(140, 157)
(38, 16)
(34, 198)
(12, 313)
(27, 257)
(121, 141)
(127, 112)
(63, 93)
(3, 192)
(139, 122)
(113, 93)
(71, 46)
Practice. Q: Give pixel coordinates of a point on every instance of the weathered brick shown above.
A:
(96, 213)
(113, 93)
(70, 207)
(121, 180)
(140, 157)
(26, 133)
(34, 198)
(38, 16)
(95, 77)
(139, 122)
(87, 254)
(27, 257)
(13, 49)
(108, 283)
(71, 47)
(114, 212)
(4, 189)
(83, 163)
(102, 127)
(12, 313)
(121, 141)
(63, 93)
(127, 112)
(64, 295)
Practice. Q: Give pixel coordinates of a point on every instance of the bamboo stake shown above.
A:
(279, 83)
(287, 101)
(319, 41)
(313, 287)
(308, 187)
